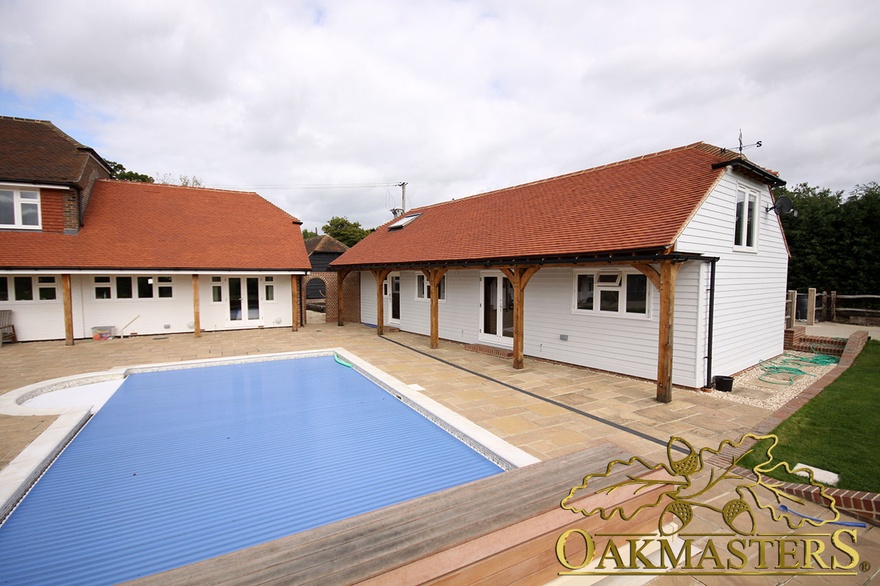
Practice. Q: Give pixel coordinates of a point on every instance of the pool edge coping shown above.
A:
(25, 469)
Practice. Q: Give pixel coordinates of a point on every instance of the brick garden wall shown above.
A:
(864, 505)
(351, 296)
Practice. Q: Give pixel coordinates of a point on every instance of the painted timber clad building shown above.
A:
(669, 266)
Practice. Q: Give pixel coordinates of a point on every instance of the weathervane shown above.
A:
(742, 146)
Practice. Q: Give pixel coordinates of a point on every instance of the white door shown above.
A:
(392, 299)
(244, 300)
(496, 309)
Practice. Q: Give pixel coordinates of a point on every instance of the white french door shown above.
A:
(244, 300)
(496, 309)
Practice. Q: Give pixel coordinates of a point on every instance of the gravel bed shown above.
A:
(749, 390)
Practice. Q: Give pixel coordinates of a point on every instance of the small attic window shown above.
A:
(403, 222)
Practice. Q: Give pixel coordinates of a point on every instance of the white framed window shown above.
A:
(107, 287)
(610, 292)
(166, 291)
(26, 288)
(269, 286)
(423, 288)
(216, 289)
(20, 208)
(745, 235)
(127, 287)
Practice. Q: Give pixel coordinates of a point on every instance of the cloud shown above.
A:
(453, 97)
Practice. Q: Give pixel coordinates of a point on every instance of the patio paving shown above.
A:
(547, 409)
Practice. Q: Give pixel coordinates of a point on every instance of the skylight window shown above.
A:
(403, 221)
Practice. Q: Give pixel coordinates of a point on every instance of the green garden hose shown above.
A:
(786, 368)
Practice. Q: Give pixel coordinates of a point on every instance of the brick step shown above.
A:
(490, 350)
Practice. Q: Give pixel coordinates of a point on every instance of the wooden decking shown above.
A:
(501, 530)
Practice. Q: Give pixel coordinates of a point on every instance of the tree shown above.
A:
(833, 240)
(182, 180)
(344, 230)
(117, 171)
(309, 233)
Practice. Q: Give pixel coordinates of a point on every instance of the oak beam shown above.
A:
(294, 302)
(380, 275)
(650, 272)
(197, 318)
(67, 294)
(668, 272)
(519, 277)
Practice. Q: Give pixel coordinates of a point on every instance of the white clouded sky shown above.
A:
(453, 97)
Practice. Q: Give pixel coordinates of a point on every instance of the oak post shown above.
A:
(197, 318)
(68, 309)
(434, 277)
(668, 272)
(294, 302)
(519, 277)
(380, 275)
(811, 306)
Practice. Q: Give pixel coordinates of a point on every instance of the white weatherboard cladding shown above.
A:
(749, 286)
(623, 344)
(368, 298)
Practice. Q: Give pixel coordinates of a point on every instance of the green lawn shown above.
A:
(838, 430)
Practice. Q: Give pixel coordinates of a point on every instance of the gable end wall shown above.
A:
(749, 286)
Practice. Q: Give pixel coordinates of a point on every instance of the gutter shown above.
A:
(651, 256)
(710, 326)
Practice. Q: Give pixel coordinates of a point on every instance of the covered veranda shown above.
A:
(661, 268)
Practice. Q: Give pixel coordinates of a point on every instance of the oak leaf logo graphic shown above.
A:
(691, 477)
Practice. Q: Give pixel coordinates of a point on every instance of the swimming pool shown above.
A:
(186, 465)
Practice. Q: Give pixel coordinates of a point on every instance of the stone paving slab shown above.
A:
(513, 415)
(557, 410)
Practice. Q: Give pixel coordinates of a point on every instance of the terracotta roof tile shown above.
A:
(148, 226)
(637, 204)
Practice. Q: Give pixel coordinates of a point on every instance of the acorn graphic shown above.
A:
(734, 518)
(687, 465)
(681, 510)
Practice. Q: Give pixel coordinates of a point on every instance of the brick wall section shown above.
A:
(796, 339)
(71, 212)
(52, 209)
(351, 292)
(864, 505)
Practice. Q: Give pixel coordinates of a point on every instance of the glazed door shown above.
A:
(392, 300)
(496, 309)
(244, 299)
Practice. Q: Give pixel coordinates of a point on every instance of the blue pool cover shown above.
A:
(181, 466)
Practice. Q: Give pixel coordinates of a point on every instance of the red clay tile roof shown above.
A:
(36, 151)
(324, 243)
(639, 204)
(149, 226)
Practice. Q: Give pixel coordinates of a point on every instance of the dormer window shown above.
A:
(403, 221)
(19, 208)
